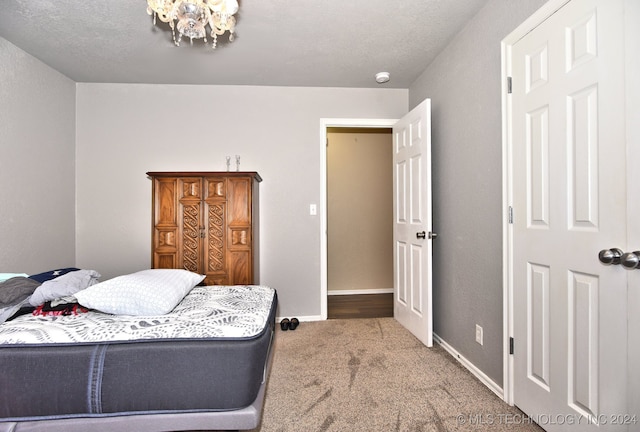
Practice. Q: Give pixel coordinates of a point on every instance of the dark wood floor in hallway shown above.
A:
(360, 306)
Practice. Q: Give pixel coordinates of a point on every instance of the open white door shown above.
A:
(412, 225)
(570, 178)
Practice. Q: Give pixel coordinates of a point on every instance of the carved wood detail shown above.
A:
(240, 237)
(216, 238)
(216, 188)
(191, 189)
(166, 238)
(191, 237)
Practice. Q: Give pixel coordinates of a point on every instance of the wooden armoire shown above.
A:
(207, 223)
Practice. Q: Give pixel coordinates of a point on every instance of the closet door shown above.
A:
(574, 197)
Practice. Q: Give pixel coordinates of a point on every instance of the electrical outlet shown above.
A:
(478, 334)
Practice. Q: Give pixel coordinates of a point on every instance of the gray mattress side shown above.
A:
(154, 376)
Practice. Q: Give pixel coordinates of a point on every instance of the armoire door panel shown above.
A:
(216, 280)
(165, 241)
(164, 261)
(239, 267)
(165, 204)
(240, 204)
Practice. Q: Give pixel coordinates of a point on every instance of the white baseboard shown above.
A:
(302, 318)
(493, 386)
(361, 291)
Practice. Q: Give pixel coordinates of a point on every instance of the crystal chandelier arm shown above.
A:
(219, 27)
(222, 18)
(160, 8)
(229, 7)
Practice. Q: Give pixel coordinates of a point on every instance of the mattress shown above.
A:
(209, 354)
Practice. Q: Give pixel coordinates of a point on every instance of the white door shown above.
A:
(412, 228)
(570, 186)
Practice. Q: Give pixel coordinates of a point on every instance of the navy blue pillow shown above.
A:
(52, 274)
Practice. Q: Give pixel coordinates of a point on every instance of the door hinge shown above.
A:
(511, 345)
(510, 214)
(509, 87)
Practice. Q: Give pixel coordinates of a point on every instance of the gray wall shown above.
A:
(125, 130)
(464, 86)
(37, 164)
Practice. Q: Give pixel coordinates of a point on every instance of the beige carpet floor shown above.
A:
(372, 375)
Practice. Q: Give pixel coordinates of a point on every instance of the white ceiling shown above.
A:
(323, 43)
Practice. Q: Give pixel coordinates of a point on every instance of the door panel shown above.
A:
(569, 198)
(412, 215)
(538, 325)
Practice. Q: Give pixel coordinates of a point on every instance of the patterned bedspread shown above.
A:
(206, 312)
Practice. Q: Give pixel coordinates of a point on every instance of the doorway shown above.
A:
(359, 222)
(412, 219)
(354, 127)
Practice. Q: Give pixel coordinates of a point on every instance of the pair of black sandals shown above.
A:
(289, 324)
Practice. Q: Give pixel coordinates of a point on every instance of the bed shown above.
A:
(137, 356)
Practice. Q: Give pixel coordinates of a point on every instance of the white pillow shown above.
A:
(147, 292)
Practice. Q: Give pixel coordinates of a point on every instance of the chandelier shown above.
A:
(190, 18)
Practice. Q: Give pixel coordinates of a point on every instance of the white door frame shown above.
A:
(632, 109)
(529, 24)
(322, 211)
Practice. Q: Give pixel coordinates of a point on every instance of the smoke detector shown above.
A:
(382, 77)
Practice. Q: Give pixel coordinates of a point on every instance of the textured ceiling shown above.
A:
(324, 43)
